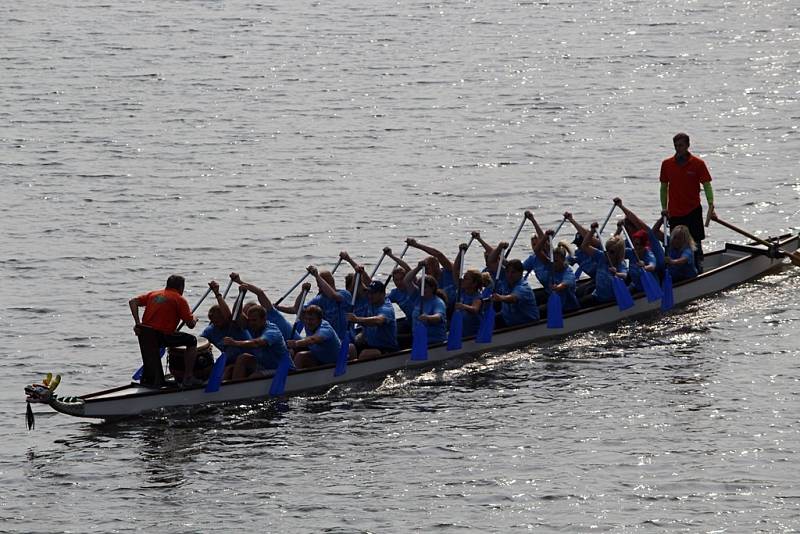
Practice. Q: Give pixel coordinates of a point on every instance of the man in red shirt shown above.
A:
(163, 310)
(682, 175)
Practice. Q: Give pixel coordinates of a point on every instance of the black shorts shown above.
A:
(361, 344)
(177, 339)
(694, 221)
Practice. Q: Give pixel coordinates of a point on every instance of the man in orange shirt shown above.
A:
(163, 309)
(681, 178)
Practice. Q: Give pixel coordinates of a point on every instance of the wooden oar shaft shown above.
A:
(227, 289)
(292, 288)
(377, 266)
(199, 302)
(611, 211)
(516, 235)
(793, 256)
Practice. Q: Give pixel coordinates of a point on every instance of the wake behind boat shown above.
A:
(724, 268)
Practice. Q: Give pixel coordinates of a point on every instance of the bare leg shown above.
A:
(244, 364)
(188, 362)
(369, 354)
(351, 352)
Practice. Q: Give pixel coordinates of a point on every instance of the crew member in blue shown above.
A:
(471, 285)
(609, 264)
(558, 275)
(380, 329)
(403, 294)
(433, 311)
(264, 351)
(653, 235)
(537, 263)
(321, 345)
(221, 326)
(440, 267)
(640, 258)
(517, 298)
(335, 304)
(680, 259)
(274, 316)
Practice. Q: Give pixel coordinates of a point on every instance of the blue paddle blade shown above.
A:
(215, 378)
(456, 330)
(486, 327)
(344, 353)
(139, 372)
(279, 378)
(419, 342)
(650, 286)
(667, 301)
(555, 311)
(621, 293)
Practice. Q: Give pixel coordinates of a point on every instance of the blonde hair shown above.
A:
(615, 247)
(476, 277)
(681, 238)
(562, 249)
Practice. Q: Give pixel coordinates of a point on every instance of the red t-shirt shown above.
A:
(684, 184)
(164, 309)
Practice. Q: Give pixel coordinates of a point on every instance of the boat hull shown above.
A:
(725, 268)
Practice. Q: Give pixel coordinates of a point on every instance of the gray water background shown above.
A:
(143, 138)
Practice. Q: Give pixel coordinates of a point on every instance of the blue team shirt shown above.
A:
(525, 309)
(586, 263)
(447, 283)
(275, 317)
(361, 307)
(534, 264)
(385, 335)
(406, 300)
(436, 332)
(270, 355)
(657, 249)
(685, 271)
(326, 351)
(569, 301)
(634, 270)
(472, 321)
(215, 335)
(603, 291)
(335, 312)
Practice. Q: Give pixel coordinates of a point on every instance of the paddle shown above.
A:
(486, 328)
(302, 278)
(668, 300)
(388, 278)
(649, 282)
(377, 266)
(138, 374)
(298, 324)
(621, 293)
(419, 336)
(555, 308)
(344, 350)
(218, 371)
(613, 207)
(456, 331)
(516, 235)
(227, 288)
(793, 256)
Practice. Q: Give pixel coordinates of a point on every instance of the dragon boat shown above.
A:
(724, 268)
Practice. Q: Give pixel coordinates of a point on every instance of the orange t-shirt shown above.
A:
(684, 184)
(164, 308)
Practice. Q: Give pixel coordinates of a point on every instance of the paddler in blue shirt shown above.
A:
(433, 312)
(380, 329)
(321, 344)
(403, 294)
(610, 263)
(517, 298)
(335, 303)
(438, 266)
(264, 351)
(221, 326)
(274, 316)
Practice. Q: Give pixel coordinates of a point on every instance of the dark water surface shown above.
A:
(139, 139)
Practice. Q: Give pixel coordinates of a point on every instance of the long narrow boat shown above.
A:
(724, 268)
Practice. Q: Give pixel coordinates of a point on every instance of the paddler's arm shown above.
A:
(223, 306)
(568, 216)
(664, 195)
(324, 287)
(376, 320)
(632, 217)
(474, 308)
(398, 260)
(709, 198)
(134, 306)
(496, 255)
(411, 276)
(443, 260)
(486, 246)
(305, 342)
(530, 217)
(244, 343)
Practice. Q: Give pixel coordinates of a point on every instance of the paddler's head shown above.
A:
(514, 270)
(376, 293)
(432, 266)
(216, 317)
(681, 143)
(328, 277)
(312, 317)
(256, 319)
(399, 276)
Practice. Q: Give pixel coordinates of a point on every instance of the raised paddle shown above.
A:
(516, 235)
(793, 256)
(227, 289)
(486, 328)
(555, 308)
(621, 293)
(456, 331)
(649, 282)
(138, 374)
(611, 211)
(344, 350)
(402, 255)
(377, 266)
(668, 300)
(298, 324)
(419, 334)
(302, 278)
(218, 370)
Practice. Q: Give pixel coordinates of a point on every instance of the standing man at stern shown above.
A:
(163, 309)
(681, 178)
